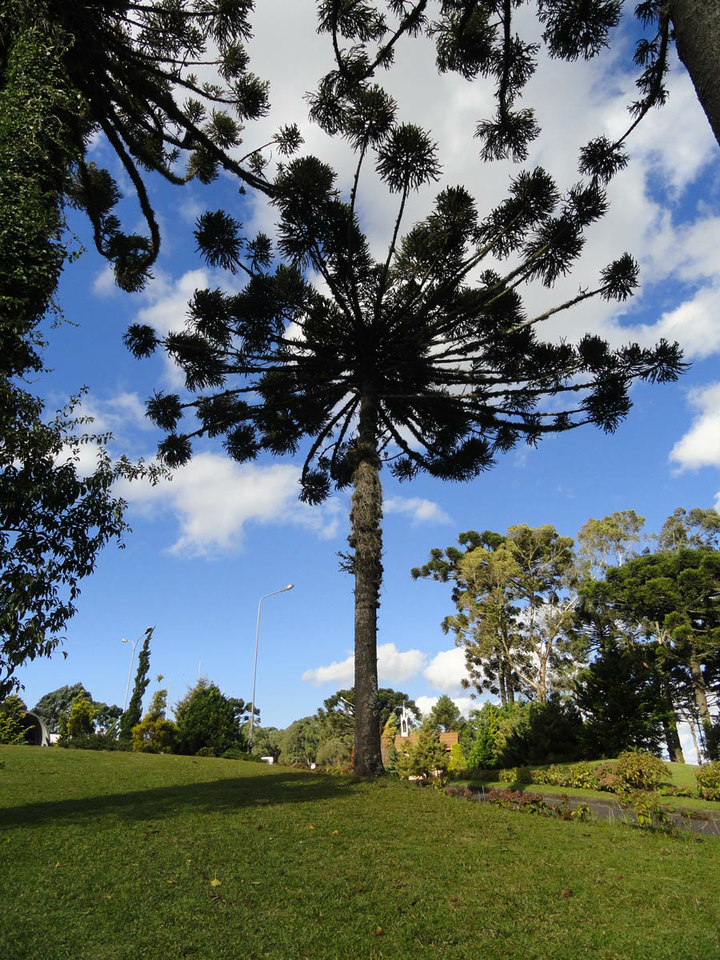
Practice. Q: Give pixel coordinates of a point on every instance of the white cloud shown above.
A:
(447, 670)
(700, 446)
(214, 499)
(464, 704)
(104, 283)
(168, 299)
(419, 510)
(394, 667)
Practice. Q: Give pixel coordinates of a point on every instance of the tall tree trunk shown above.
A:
(706, 723)
(366, 542)
(697, 36)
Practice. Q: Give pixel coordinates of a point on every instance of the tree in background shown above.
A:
(53, 523)
(338, 712)
(621, 697)
(51, 706)
(299, 743)
(266, 742)
(131, 716)
(671, 600)
(695, 529)
(608, 542)
(426, 757)
(12, 719)
(155, 733)
(445, 714)
(208, 720)
(515, 596)
(78, 723)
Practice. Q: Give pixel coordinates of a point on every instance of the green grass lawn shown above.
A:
(136, 857)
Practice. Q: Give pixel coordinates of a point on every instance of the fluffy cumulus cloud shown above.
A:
(464, 705)
(419, 510)
(394, 667)
(700, 446)
(447, 670)
(215, 499)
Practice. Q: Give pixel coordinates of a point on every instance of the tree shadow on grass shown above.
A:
(153, 803)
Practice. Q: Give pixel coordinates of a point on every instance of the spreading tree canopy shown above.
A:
(424, 360)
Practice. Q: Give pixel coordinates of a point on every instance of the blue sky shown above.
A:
(207, 545)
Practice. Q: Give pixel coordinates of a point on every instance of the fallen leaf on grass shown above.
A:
(311, 826)
(568, 893)
(171, 881)
(378, 931)
(336, 833)
(215, 882)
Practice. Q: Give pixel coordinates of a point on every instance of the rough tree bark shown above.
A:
(366, 542)
(697, 37)
(706, 721)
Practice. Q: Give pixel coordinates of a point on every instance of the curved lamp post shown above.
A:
(257, 637)
(132, 658)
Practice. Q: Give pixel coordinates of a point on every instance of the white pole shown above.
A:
(257, 638)
(132, 658)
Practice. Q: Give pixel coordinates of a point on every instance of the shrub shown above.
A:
(708, 781)
(233, 753)
(457, 764)
(426, 757)
(581, 776)
(12, 720)
(154, 734)
(640, 771)
(206, 752)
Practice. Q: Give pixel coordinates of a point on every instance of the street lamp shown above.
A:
(132, 658)
(257, 637)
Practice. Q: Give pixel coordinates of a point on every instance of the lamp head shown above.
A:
(288, 587)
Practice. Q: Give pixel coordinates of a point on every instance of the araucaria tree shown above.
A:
(424, 360)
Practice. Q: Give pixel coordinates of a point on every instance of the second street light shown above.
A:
(134, 643)
(257, 638)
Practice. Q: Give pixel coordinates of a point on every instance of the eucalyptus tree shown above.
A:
(424, 360)
(515, 596)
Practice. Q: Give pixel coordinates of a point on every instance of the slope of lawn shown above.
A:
(126, 856)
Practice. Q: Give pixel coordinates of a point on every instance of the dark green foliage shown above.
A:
(208, 720)
(520, 734)
(53, 704)
(672, 598)
(338, 711)
(533, 733)
(266, 742)
(53, 523)
(299, 743)
(445, 714)
(132, 714)
(333, 753)
(620, 696)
